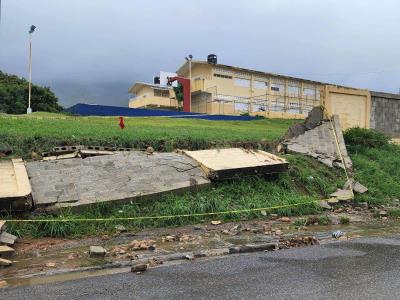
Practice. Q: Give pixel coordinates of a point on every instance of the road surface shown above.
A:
(368, 268)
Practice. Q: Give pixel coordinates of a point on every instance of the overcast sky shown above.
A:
(98, 48)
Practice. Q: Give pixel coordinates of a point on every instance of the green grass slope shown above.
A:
(42, 131)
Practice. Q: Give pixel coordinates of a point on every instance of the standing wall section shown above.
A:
(385, 113)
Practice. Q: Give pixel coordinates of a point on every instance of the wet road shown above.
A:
(368, 268)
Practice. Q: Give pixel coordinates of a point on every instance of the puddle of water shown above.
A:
(18, 282)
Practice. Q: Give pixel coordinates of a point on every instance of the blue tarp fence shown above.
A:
(82, 109)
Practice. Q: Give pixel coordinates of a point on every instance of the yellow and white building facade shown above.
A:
(228, 90)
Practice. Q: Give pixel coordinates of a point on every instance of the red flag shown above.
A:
(121, 122)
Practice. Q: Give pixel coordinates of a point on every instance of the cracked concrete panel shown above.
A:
(127, 175)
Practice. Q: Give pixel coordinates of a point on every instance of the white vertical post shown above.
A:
(29, 110)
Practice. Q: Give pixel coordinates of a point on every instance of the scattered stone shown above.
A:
(189, 257)
(7, 239)
(150, 150)
(359, 188)
(216, 222)
(197, 227)
(185, 238)
(141, 245)
(355, 186)
(120, 228)
(50, 264)
(263, 212)
(226, 232)
(364, 205)
(97, 251)
(384, 218)
(342, 195)
(117, 251)
(169, 238)
(298, 241)
(278, 232)
(5, 262)
(333, 201)
(337, 234)
(285, 219)
(139, 268)
(253, 248)
(274, 216)
(324, 204)
(383, 213)
(3, 284)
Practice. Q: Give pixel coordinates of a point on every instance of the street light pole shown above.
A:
(29, 109)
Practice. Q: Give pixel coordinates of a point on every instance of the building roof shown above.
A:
(185, 66)
(133, 89)
(385, 95)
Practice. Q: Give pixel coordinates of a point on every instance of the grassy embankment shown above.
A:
(376, 166)
(42, 131)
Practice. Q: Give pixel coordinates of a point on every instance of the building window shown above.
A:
(262, 85)
(308, 92)
(276, 87)
(222, 76)
(242, 82)
(293, 90)
(161, 93)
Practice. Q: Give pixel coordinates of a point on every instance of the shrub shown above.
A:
(369, 138)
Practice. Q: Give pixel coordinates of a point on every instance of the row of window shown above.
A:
(276, 87)
(161, 93)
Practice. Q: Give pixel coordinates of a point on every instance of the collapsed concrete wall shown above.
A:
(123, 176)
(319, 138)
(385, 113)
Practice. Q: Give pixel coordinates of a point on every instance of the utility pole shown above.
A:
(31, 30)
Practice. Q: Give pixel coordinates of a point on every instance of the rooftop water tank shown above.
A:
(212, 59)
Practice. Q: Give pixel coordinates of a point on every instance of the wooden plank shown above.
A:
(221, 164)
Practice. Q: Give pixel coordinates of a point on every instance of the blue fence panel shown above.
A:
(105, 110)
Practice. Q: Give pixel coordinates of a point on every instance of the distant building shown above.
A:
(229, 90)
(156, 95)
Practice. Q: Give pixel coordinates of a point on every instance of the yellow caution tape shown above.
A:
(160, 217)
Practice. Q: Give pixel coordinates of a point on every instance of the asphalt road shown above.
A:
(363, 269)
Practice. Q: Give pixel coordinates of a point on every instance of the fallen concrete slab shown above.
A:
(220, 164)
(114, 178)
(14, 185)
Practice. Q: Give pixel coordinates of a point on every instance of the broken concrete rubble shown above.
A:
(97, 251)
(355, 186)
(319, 138)
(7, 239)
(5, 262)
(343, 195)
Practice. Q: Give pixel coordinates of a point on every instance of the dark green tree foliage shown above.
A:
(179, 94)
(14, 96)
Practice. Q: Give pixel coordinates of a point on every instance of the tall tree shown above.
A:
(14, 96)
